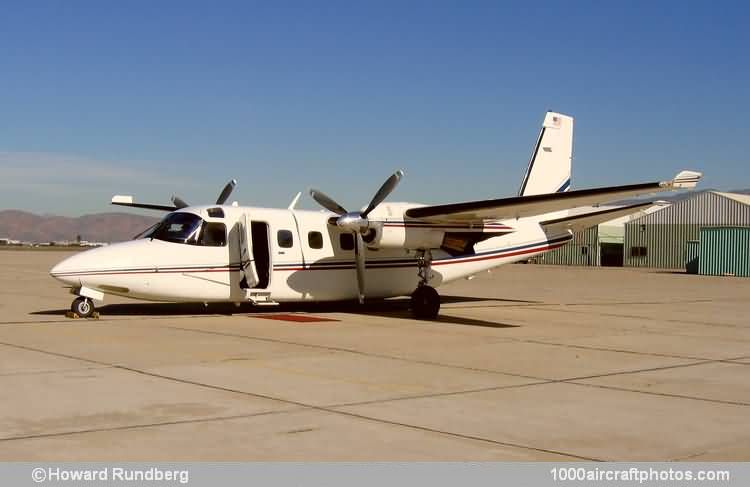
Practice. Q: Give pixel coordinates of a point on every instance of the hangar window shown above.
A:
(638, 251)
(346, 240)
(315, 240)
(285, 239)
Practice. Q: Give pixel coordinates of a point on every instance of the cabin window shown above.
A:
(315, 240)
(285, 239)
(216, 213)
(638, 251)
(214, 234)
(346, 240)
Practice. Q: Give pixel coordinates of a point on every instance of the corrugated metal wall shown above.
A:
(573, 252)
(664, 245)
(725, 251)
(664, 234)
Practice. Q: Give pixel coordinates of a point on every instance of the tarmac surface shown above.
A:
(525, 363)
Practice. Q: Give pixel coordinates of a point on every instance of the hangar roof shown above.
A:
(703, 208)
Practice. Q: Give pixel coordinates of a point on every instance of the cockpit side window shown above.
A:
(214, 234)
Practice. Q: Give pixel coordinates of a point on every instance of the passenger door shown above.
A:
(248, 271)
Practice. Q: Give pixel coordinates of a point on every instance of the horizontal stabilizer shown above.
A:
(582, 221)
(526, 206)
(121, 200)
(686, 179)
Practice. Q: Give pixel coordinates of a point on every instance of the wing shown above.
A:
(524, 206)
(584, 220)
(120, 200)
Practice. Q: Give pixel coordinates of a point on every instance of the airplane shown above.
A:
(266, 256)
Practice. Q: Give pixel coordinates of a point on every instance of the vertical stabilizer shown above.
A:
(549, 167)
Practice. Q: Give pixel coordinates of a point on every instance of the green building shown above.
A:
(663, 239)
(723, 251)
(602, 245)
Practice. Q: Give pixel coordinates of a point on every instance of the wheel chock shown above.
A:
(74, 316)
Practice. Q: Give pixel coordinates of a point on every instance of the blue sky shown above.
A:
(154, 98)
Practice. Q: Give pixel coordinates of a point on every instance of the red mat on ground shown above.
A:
(295, 318)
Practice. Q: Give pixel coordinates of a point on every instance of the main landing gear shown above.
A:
(83, 307)
(425, 301)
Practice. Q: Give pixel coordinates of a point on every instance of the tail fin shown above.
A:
(549, 167)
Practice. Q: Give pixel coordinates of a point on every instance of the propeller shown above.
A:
(223, 196)
(357, 222)
(226, 192)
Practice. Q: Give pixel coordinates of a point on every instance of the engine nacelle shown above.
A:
(399, 235)
(391, 229)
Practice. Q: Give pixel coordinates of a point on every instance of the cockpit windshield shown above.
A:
(179, 228)
(188, 228)
(147, 232)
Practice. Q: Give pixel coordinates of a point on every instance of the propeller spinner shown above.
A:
(357, 222)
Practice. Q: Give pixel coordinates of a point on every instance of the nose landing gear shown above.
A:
(425, 300)
(83, 307)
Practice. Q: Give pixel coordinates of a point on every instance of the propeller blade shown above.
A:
(226, 192)
(388, 186)
(359, 256)
(179, 202)
(327, 202)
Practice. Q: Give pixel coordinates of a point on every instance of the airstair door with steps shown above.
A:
(248, 272)
(255, 261)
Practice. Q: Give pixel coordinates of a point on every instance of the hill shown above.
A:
(100, 227)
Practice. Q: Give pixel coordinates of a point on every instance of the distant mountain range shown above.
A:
(101, 227)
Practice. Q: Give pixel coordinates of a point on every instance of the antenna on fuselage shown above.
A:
(293, 204)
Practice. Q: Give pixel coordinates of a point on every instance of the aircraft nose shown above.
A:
(81, 267)
(64, 270)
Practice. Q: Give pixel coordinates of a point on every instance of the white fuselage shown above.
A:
(304, 269)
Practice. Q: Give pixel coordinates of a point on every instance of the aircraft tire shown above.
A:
(83, 307)
(425, 303)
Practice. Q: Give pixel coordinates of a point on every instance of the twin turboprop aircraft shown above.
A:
(265, 256)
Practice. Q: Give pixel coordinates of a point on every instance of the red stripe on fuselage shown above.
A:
(499, 255)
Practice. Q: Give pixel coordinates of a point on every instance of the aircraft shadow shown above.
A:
(388, 308)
